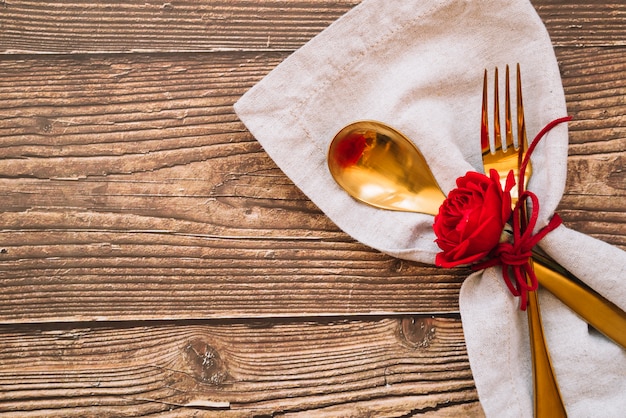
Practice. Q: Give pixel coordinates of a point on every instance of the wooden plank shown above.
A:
(157, 26)
(381, 367)
(130, 190)
(33, 26)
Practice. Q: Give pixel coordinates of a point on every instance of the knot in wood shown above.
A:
(205, 362)
(417, 332)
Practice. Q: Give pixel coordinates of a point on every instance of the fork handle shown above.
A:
(547, 397)
(596, 310)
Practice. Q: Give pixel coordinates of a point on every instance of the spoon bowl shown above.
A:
(379, 166)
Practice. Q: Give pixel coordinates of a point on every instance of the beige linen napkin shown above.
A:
(418, 65)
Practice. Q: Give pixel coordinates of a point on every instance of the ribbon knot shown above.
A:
(512, 255)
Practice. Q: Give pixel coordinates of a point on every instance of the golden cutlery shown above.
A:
(379, 166)
(547, 397)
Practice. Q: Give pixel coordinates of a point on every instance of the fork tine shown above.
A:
(521, 123)
(507, 108)
(497, 136)
(484, 123)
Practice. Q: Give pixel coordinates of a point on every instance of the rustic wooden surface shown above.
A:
(153, 259)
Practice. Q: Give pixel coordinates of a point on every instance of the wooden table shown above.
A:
(154, 259)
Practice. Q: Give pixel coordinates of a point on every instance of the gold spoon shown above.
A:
(381, 167)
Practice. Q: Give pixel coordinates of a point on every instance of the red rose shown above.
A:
(470, 221)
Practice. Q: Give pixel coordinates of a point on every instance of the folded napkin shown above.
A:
(418, 66)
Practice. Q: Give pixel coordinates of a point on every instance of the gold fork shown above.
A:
(547, 397)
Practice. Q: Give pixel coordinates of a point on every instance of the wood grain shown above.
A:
(67, 26)
(595, 86)
(381, 367)
(147, 198)
(158, 26)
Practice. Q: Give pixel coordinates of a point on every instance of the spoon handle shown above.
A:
(597, 311)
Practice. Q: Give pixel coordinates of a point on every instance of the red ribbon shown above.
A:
(515, 256)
